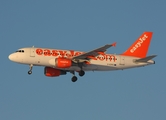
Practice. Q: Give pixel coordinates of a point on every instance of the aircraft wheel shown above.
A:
(81, 73)
(29, 72)
(74, 79)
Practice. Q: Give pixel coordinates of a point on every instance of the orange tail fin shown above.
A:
(140, 47)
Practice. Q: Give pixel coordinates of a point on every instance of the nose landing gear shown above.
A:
(29, 72)
(30, 69)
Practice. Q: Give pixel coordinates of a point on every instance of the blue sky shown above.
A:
(134, 94)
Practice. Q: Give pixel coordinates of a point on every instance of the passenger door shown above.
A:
(32, 52)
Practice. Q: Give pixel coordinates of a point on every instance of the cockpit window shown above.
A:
(20, 51)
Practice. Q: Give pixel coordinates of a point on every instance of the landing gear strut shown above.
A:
(30, 69)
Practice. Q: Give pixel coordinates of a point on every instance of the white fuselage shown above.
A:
(46, 57)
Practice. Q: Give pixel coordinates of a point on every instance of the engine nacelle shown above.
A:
(52, 72)
(63, 63)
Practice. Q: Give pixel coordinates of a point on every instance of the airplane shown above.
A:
(58, 62)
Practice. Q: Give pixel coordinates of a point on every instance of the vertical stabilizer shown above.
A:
(140, 47)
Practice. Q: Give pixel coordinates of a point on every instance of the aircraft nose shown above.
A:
(11, 57)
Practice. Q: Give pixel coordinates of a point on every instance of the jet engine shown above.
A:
(52, 72)
(63, 63)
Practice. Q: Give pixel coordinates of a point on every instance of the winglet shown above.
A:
(140, 47)
(114, 44)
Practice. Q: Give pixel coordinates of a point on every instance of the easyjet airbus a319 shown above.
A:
(58, 62)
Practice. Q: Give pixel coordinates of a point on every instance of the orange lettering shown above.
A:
(102, 57)
(39, 51)
(55, 53)
(111, 57)
(62, 53)
(77, 53)
(47, 52)
(72, 53)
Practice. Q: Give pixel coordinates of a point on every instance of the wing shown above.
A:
(94, 53)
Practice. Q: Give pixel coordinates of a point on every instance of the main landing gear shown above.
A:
(81, 73)
(30, 69)
(74, 78)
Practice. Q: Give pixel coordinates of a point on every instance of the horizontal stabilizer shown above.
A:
(146, 58)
